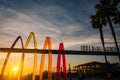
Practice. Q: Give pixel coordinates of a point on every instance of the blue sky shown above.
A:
(66, 21)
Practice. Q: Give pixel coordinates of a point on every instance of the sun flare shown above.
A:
(15, 69)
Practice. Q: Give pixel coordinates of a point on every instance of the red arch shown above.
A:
(61, 48)
(8, 55)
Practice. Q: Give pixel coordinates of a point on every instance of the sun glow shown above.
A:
(15, 69)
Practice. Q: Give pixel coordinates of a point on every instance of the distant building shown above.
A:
(89, 67)
(97, 67)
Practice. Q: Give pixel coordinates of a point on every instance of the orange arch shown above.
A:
(47, 43)
(8, 55)
(23, 56)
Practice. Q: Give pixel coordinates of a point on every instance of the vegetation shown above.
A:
(107, 13)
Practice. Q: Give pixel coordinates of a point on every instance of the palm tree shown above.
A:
(98, 24)
(105, 12)
(116, 9)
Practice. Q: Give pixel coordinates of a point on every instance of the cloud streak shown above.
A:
(55, 20)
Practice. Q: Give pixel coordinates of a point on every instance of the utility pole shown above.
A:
(69, 72)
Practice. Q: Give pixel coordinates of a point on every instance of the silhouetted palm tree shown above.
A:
(98, 24)
(106, 11)
(115, 6)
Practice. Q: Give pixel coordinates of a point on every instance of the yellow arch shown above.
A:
(47, 43)
(23, 56)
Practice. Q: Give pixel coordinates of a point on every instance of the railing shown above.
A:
(68, 52)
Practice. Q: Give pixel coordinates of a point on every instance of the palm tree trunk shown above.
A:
(113, 34)
(102, 40)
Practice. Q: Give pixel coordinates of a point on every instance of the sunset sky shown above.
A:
(66, 21)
